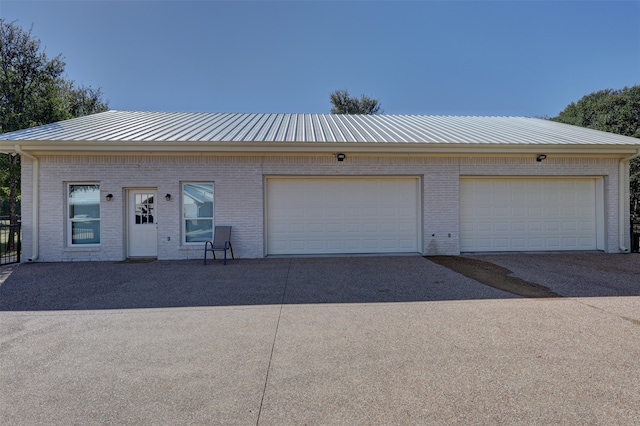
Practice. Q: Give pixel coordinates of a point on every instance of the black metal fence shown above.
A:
(635, 236)
(10, 242)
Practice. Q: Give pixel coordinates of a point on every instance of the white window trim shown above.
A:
(69, 221)
(183, 219)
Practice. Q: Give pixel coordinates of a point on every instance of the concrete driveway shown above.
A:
(354, 340)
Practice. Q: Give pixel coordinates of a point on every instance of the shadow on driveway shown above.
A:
(160, 284)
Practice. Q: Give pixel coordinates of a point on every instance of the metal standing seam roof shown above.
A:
(123, 126)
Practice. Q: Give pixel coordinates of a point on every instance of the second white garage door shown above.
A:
(531, 214)
(342, 215)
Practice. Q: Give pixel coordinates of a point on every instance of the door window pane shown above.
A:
(144, 208)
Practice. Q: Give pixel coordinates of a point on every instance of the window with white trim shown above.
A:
(83, 214)
(197, 212)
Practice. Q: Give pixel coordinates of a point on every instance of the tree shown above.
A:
(343, 103)
(615, 111)
(33, 92)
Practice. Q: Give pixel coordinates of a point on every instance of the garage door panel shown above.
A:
(316, 244)
(333, 245)
(518, 226)
(501, 242)
(353, 244)
(552, 198)
(584, 242)
(279, 228)
(406, 244)
(481, 211)
(352, 227)
(278, 244)
(407, 227)
(351, 215)
(536, 243)
(551, 211)
(501, 212)
(370, 244)
(535, 211)
(553, 243)
(297, 212)
(390, 244)
(334, 227)
(315, 228)
(552, 226)
(535, 227)
(388, 227)
(583, 212)
(279, 213)
(586, 226)
(501, 226)
(518, 243)
(298, 244)
(370, 227)
(520, 214)
(484, 227)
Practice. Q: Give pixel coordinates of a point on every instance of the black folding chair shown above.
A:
(221, 242)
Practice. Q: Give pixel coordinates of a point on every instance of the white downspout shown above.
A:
(621, 200)
(34, 201)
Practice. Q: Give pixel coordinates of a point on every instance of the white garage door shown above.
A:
(342, 215)
(529, 214)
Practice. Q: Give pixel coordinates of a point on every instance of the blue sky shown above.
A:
(516, 58)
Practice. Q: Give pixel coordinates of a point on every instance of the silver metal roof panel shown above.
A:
(123, 126)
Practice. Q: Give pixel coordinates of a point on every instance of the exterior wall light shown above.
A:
(109, 197)
(541, 157)
(167, 197)
(341, 157)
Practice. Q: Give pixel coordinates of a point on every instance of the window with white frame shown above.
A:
(83, 214)
(197, 212)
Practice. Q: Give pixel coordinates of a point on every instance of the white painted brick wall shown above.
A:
(239, 194)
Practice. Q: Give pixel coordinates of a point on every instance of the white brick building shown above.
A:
(122, 184)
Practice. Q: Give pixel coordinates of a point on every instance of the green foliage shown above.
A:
(9, 183)
(76, 101)
(33, 92)
(634, 188)
(343, 103)
(615, 111)
(28, 80)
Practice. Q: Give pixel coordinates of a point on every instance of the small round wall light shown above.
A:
(341, 157)
(541, 157)
(167, 197)
(109, 197)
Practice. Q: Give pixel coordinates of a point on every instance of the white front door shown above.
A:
(142, 223)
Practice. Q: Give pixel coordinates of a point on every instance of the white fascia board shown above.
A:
(127, 147)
